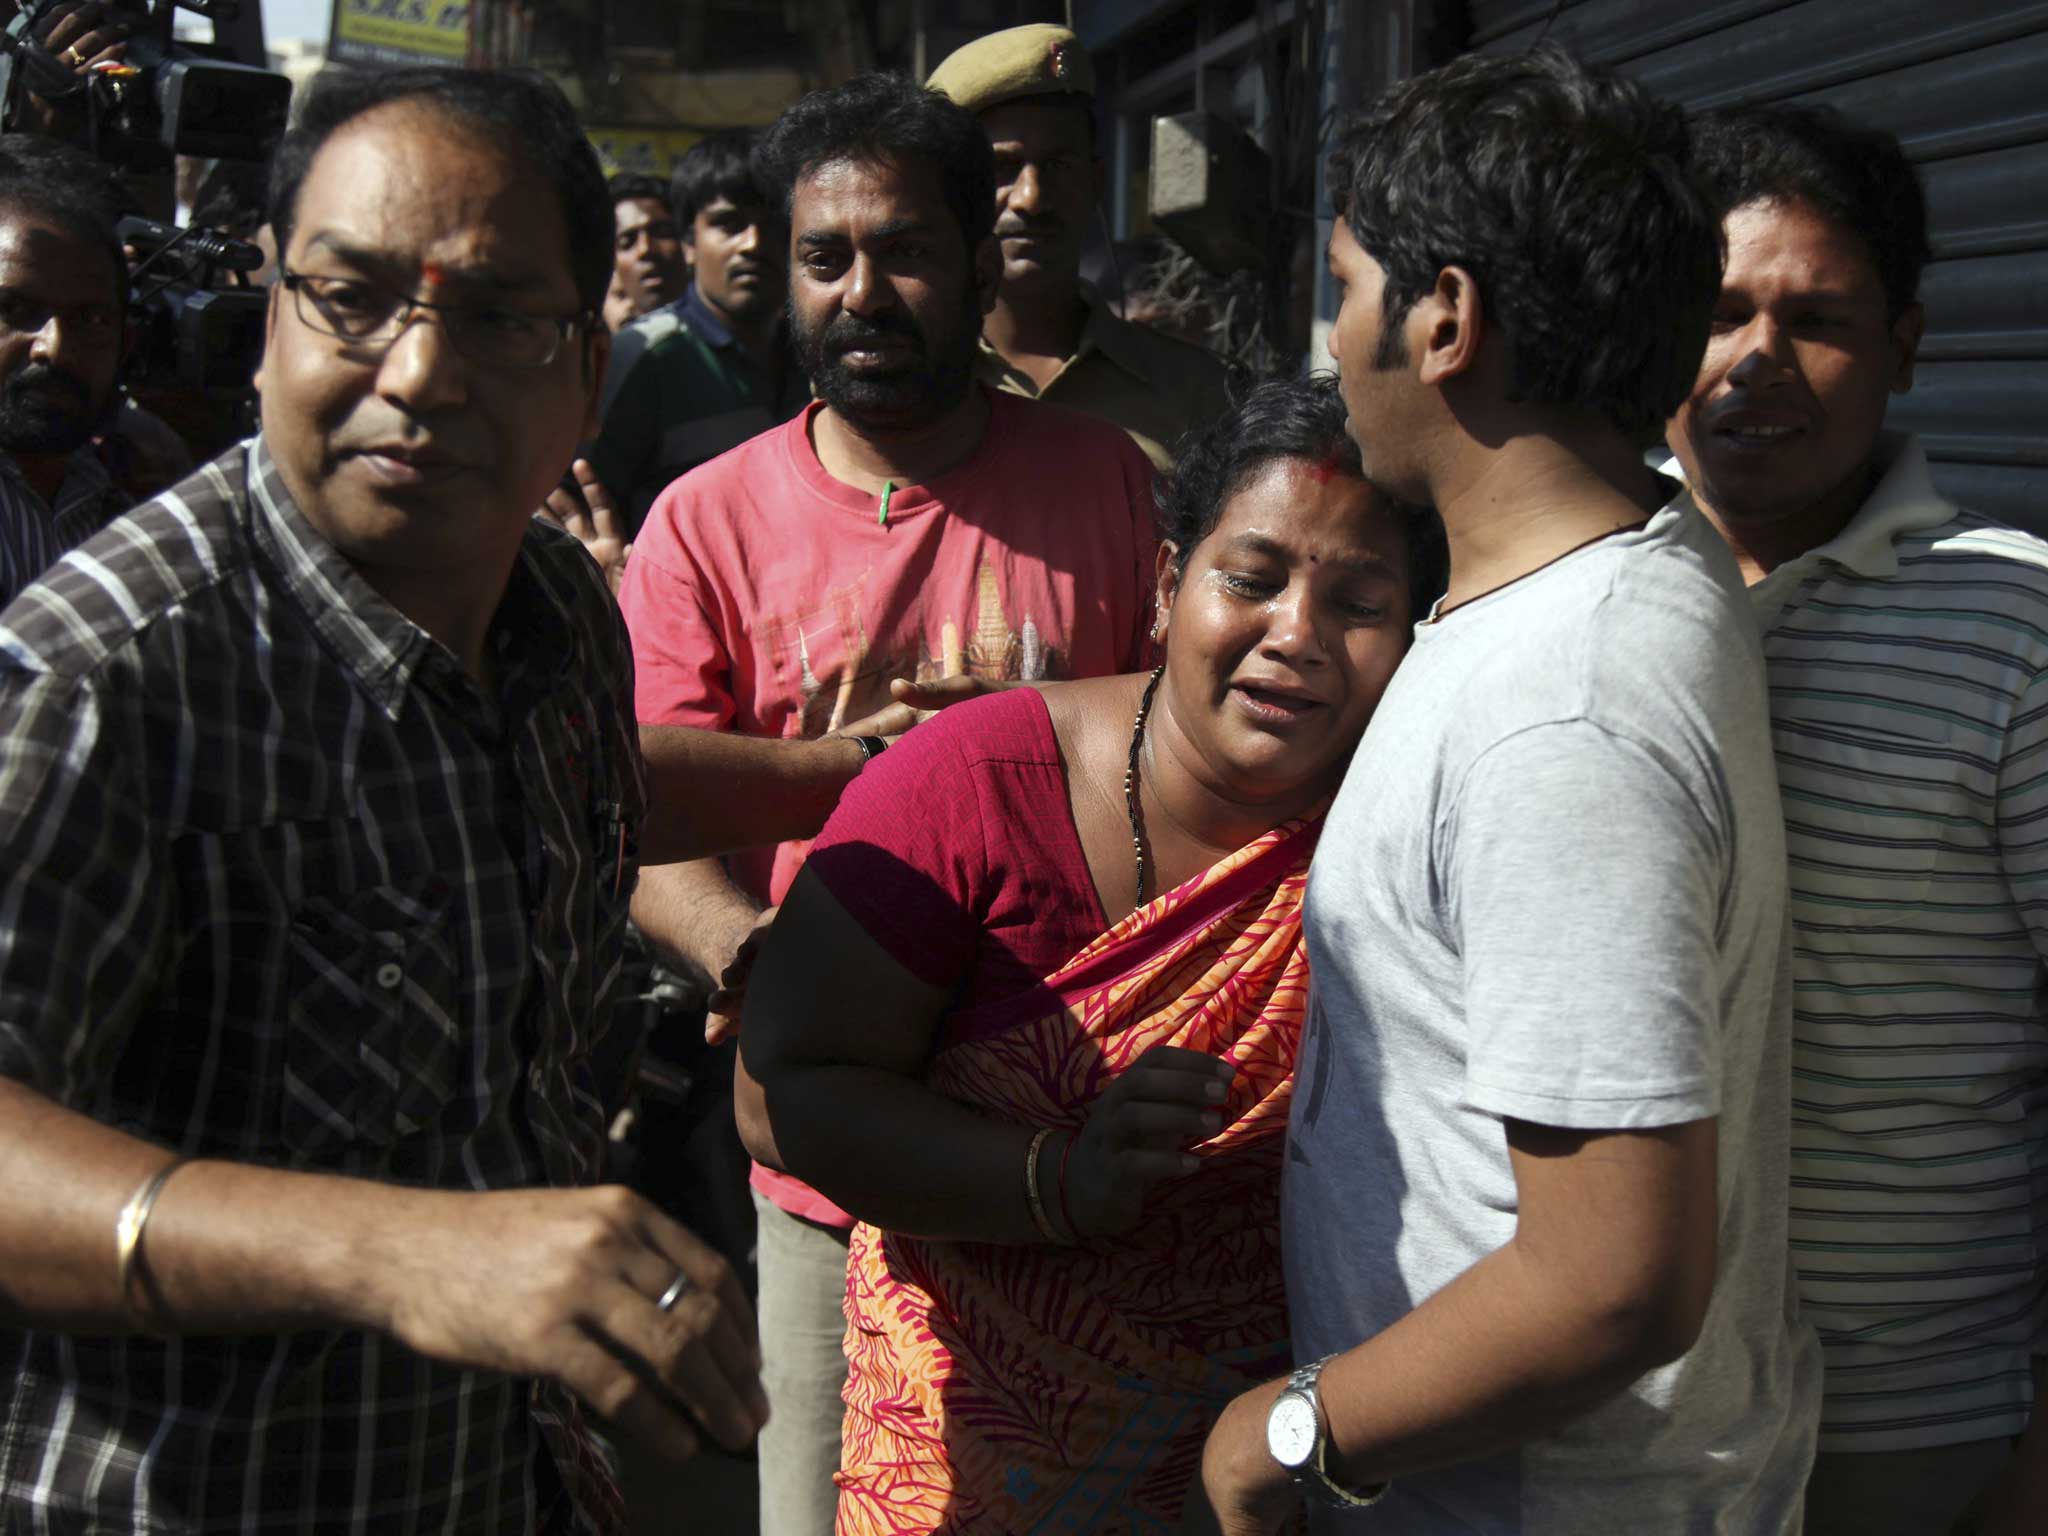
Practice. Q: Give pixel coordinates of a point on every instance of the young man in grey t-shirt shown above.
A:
(1535, 1209)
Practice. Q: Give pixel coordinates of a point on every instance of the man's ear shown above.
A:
(1446, 327)
(597, 344)
(1166, 585)
(988, 271)
(1906, 333)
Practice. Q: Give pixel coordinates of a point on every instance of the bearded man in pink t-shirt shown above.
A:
(910, 524)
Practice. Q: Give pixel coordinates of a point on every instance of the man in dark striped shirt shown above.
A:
(320, 807)
(1906, 641)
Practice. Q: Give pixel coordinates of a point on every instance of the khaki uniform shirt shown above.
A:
(1152, 385)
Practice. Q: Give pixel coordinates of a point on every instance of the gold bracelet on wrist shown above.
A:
(1038, 1216)
(128, 1228)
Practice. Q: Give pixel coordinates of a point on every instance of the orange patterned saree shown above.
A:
(1000, 1390)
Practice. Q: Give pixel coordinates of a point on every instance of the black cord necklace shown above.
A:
(1442, 610)
(1131, 775)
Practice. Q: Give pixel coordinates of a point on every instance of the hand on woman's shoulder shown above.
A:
(961, 708)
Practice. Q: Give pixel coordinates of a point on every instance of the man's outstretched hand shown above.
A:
(928, 698)
(912, 702)
(586, 510)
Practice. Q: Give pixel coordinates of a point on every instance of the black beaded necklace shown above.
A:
(1131, 775)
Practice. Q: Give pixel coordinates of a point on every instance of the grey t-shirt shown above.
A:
(1553, 889)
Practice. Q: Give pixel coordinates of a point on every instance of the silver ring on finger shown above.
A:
(680, 1287)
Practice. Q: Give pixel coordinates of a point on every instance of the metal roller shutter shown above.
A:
(1965, 87)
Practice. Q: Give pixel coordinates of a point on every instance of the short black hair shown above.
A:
(49, 179)
(1282, 418)
(515, 107)
(884, 119)
(629, 185)
(1570, 196)
(1850, 174)
(718, 165)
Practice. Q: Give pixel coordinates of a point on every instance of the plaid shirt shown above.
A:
(280, 883)
(33, 533)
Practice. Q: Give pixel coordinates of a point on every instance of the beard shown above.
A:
(929, 381)
(44, 410)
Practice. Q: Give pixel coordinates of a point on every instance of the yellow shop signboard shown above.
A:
(649, 151)
(399, 32)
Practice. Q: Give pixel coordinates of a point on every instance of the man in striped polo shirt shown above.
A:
(1907, 646)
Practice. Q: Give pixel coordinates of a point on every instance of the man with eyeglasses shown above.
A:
(320, 809)
(63, 292)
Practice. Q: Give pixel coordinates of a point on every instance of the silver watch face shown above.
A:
(1291, 1429)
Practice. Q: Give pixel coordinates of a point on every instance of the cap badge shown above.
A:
(1059, 61)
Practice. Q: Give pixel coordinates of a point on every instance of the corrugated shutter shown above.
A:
(1965, 87)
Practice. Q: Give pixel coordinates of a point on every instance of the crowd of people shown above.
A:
(1450, 947)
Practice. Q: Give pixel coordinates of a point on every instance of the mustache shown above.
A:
(44, 379)
(849, 332)
(1039, 226)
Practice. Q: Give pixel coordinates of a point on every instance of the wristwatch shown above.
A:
(1298, 1439)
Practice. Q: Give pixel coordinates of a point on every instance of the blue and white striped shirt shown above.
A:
(33, 532)
(1908, 664)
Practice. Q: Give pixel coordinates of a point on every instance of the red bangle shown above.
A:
(1066, 1215)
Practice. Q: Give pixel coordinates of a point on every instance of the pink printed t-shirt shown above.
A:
(766, 597)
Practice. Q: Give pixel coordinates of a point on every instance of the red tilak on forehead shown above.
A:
(431, 271)
(1325, 469)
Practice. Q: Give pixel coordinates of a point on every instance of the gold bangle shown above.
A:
(128, 1237)
(1038, 1216)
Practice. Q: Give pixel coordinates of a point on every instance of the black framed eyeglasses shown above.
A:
(367, 314)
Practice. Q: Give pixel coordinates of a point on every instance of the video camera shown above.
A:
(192, 332)
(198, 334)
(165, 98)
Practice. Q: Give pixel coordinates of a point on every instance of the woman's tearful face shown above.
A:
(1285, 626)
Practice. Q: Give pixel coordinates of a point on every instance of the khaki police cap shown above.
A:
(1038, 60)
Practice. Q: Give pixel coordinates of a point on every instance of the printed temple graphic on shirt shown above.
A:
(841, 680)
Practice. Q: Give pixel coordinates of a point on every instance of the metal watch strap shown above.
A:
(1313, 1480)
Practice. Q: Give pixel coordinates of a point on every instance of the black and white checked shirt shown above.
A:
(279, 883)
(34, 532)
